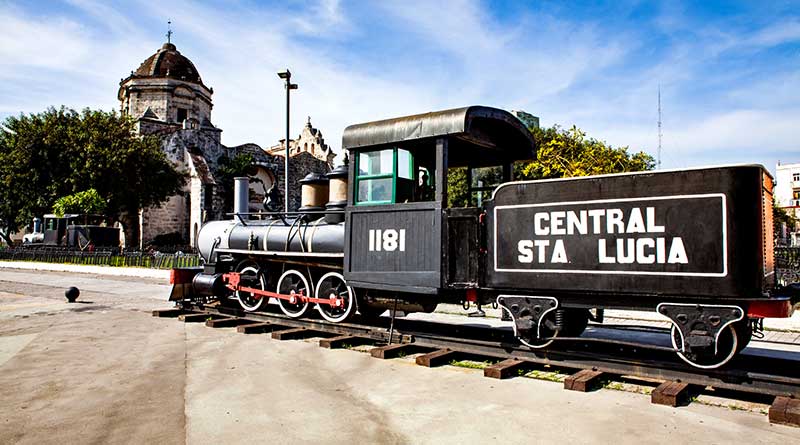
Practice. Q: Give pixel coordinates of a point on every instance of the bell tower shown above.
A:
(166, 91)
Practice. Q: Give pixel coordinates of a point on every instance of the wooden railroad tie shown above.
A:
(505, 369)
(671, 394)
(392, 351)
(785, 411)
(197, 317)
(168, 313)
(294, 334)
(255, 328)
(584, 380)
(228, 322)
(343, 341)
(437, 358)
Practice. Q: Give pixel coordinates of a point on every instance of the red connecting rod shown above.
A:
(233, 279)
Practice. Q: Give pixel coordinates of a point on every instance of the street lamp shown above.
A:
(287, 75)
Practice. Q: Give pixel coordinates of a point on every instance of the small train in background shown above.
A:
(693, 245)
(76, 231)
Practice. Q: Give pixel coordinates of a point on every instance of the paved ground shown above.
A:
(105, 371)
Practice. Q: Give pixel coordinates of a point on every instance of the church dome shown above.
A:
(169, 62)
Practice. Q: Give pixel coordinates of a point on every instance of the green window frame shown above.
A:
(396, 154)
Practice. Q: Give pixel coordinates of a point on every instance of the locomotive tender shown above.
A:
(694, 245)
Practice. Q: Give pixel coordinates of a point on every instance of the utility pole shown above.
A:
(287, 75)
(658, 162)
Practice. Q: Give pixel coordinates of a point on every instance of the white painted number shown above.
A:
(388, 240)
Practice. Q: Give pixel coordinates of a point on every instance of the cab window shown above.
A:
(384, 176)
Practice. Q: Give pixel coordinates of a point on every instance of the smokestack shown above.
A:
(241, 198)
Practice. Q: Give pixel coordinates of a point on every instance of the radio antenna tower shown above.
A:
(658, 161)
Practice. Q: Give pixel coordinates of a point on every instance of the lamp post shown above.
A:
(287, 75)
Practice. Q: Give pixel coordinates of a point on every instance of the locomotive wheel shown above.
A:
(369, 313)
(727, 347)
(332, 285)
(251, 276)
(575, 322)
(293, 282)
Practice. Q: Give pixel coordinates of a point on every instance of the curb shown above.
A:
(139, 272)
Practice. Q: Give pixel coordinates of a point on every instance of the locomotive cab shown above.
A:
(401, 237)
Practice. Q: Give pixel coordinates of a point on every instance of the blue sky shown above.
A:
(729, 71)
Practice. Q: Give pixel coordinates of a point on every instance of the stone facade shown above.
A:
(310, 141)
(168, 99)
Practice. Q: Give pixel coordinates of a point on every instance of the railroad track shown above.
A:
(591, 361)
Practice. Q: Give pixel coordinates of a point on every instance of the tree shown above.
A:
(561, 153)
(567, 153)
(60, 152)
(229, 168)
(780, 219)
(87, 202)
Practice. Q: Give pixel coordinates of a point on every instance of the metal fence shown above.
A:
(787, 259)
(153, 260)
(787, 264)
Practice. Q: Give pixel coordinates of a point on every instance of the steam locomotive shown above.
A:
(693, 245)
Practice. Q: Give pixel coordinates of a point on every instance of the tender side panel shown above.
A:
(394, 247)
(690, 233)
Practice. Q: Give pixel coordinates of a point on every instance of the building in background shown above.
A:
(787, 197)
(310, 141)
(167, 98)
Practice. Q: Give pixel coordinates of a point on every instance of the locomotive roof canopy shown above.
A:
(477, 135)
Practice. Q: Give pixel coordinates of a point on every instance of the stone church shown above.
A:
(167, 98)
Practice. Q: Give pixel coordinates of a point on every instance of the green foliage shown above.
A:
(567, 153)
(457, 191)
(60, 152)
(781, 217)
(561, 153)
(229, 168)
(89, 202)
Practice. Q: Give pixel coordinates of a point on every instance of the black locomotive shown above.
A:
(694, 245)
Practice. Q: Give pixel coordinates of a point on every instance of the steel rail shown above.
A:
(774, 376)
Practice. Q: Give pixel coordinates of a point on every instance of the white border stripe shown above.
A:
(625, 272)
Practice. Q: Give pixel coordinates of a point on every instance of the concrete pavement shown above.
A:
(105, 371)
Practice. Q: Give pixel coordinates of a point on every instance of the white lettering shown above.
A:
(577, 223)
(677, 252)
(614, 219)
(371, 240)
(538, 229)
(525, 251)
(556, 221)
(635, 221)
(559, 253)
(597, 219)
(541, 244)
(661, 250)
(601, 253)
(641, 256)
(622, 256)
(388, 240)
(651, 221)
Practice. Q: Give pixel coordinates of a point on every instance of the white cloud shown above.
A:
(30, 43)
(776, 34)
(439, 55)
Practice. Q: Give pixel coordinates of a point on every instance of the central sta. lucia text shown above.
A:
(644, 250)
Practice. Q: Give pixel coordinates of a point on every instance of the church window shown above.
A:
(182, 114)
